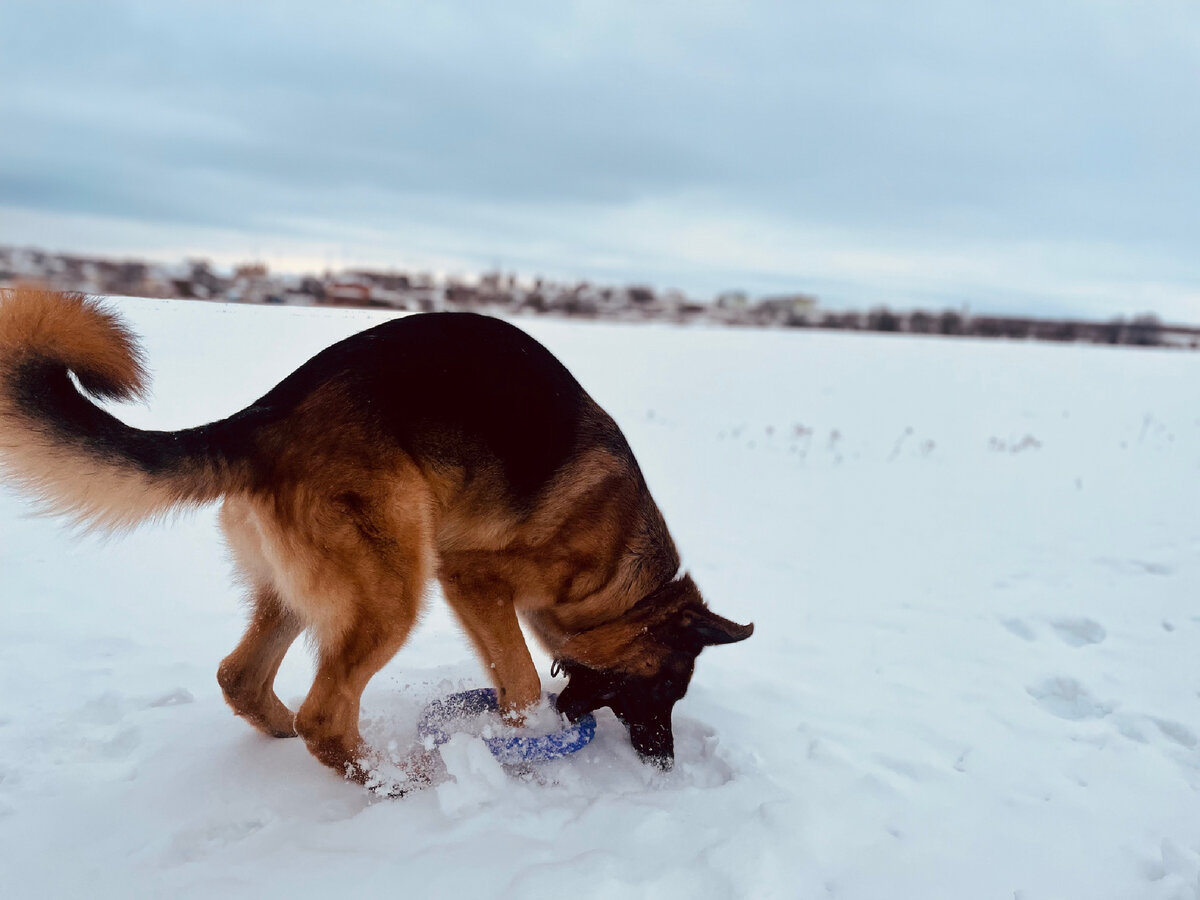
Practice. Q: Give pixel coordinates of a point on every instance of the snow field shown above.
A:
(974, 570)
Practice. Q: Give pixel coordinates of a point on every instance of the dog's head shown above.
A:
(640, 665)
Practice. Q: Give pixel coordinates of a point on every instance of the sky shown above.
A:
(1022, 157)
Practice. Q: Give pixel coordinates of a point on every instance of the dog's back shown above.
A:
(456, 392)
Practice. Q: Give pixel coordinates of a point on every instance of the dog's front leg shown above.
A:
(483, 603)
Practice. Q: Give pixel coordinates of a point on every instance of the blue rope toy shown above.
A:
(508, 750)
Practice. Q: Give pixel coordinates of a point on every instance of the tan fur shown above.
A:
(82, 333)
(345, 536)
(64, 479)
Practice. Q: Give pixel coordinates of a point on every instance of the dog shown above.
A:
(444, 445)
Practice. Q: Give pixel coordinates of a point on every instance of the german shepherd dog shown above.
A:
(446, 445)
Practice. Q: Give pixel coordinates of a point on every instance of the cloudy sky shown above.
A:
(1019, 156)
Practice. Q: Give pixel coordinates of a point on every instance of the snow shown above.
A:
(974, 568)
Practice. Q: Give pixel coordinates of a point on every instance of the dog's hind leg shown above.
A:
(247, 675)
(374, 579)
(328, 718)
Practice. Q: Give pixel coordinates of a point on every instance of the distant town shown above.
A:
(506, 294)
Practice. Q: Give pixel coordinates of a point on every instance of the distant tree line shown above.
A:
(1144, 330)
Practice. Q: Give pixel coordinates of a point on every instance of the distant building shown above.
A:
(346, 293)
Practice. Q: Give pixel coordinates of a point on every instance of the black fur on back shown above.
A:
(458, 389)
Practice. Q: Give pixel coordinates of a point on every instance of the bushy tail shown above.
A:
(64, 451)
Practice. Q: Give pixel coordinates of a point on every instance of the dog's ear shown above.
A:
(698, 626)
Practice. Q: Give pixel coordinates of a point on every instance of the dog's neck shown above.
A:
(623, 641)
(648, 562)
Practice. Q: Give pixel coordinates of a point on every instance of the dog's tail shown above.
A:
(72, 457)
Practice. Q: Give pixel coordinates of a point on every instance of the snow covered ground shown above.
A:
(974, 568)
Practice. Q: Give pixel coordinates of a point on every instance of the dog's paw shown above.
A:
(395, 777)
